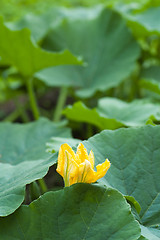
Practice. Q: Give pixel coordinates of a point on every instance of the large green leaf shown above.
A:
(104, 42)
(82, 211)
(135, 166)
(47, 21)
(27, 57)
(25, 142)
(24, 159)
(112, 113)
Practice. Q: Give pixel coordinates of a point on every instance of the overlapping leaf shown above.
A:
(99, 31)
(112, 113)
(23, 159)
(146, 22)
(81, 211)
(33, 22)
(56, 142)
(79, 112)
(17, 49)
(150, 233)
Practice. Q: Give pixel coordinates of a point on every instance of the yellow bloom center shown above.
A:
(79, 166)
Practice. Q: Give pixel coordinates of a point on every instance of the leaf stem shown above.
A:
(42, 185)
(32, 98)
(60, 104)
(89, 131)
(22, 111)
(13, 116)
(34, 190)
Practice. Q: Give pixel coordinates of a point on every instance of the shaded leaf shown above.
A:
(152, 72)
(132, 200)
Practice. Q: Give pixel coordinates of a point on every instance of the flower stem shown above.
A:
(32, 98)
(61, 101)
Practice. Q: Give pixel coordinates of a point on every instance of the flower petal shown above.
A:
(102, 169)
(79, 167)
(62, 159)
(70, 170)
(91, 158)
(86, 172)
(81, 153)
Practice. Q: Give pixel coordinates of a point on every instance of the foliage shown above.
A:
(24, 157)
(85, 221)
(70, 72)
(112, 113)
(94, 30)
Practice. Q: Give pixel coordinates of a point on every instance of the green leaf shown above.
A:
(25, 55)
(150, 79)
(112, 113)
(150, 233)
(135, 113)
(79, 112)
(126, 7)
(103, 40)
(142, 238)
(133, 202)
(56, 142)
(134, 156)
(152, 72)
(25, 142)
(14, 179)
(82, 211)
(23, 159)
(150, 85)
(32, 22)
(145, 23)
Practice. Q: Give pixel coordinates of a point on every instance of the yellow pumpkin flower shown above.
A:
(79, 167)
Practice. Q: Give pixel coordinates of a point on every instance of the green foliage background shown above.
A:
(71, 72)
